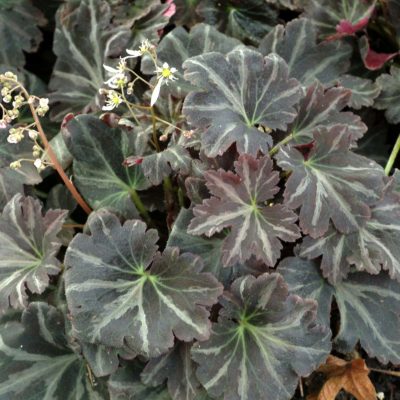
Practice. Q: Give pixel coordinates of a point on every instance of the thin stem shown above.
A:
(393, 156)
(386, 372)
(140, 206)
(168, 123)
(284, 141)
(70, 186)
(155, 139)
(140, 78)
(130, 107)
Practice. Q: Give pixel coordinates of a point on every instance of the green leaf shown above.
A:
(28, 250)
(368, 306)
(263, 342)
(389, 99)
(122, 292)
(307, 59)
(125, 384)
(179, 45)
(178, 369)
(99, 152)
(37, 363)
(330, 183)
(19, 31)
(82, 42)
(248, 21)
(240, 91)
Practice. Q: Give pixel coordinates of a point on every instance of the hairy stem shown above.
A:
(393, 156)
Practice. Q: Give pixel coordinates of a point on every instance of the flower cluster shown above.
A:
(121, 76)
(13, 98)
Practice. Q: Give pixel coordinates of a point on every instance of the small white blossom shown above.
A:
(380, 396)
(118, 78)
(164, 75)
(145, 47)
(38, 163)
(43, 107)
(15, 165)
(32, 134)
(114, 99)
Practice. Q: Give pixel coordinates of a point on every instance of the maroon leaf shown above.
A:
(238, 202)
(371, 59)
(332, 184)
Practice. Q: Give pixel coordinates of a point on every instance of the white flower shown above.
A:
(32, 134)
(380, 396)
(13, 139)
(164, 75)
(15, 164)
(44, 102)
(38, 163)
(145, 47)
(114, 99)
(117, 79)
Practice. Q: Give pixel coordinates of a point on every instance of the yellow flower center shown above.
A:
(115, 100)
(166, 73)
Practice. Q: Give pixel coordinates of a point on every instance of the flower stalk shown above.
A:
(392, 157)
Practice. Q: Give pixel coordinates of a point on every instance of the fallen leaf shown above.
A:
(351, 376)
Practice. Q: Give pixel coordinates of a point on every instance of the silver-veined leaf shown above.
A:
(125, 384)
(99, 152)
(239, 92)
(122, 292)
(337, 18)
(264, 340)
(375, 246)
(19, 31)
(178, 369)
(368, 306)
(363, 91)
(389, 99)
(37, 363)
(28, 249)
(322, 108)
(82, 42)
(179, 45)
(307, 60)
(238, 202)
(248, 20)
(330, 183)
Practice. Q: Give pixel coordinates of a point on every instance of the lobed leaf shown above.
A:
(389, 99)
(247, 21)
(307, 60)
(263, 341)
(363, 91)
(122, 292)
(374, 247)
(330, 183)
(238, 202)
(19, 31)
(178, 369)
(82, 42)
(99, 152)
(28, 250)
(179, 45)
(337, 18)
(36, 361)
(368, 307)
(323, 109)
(240, 92)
